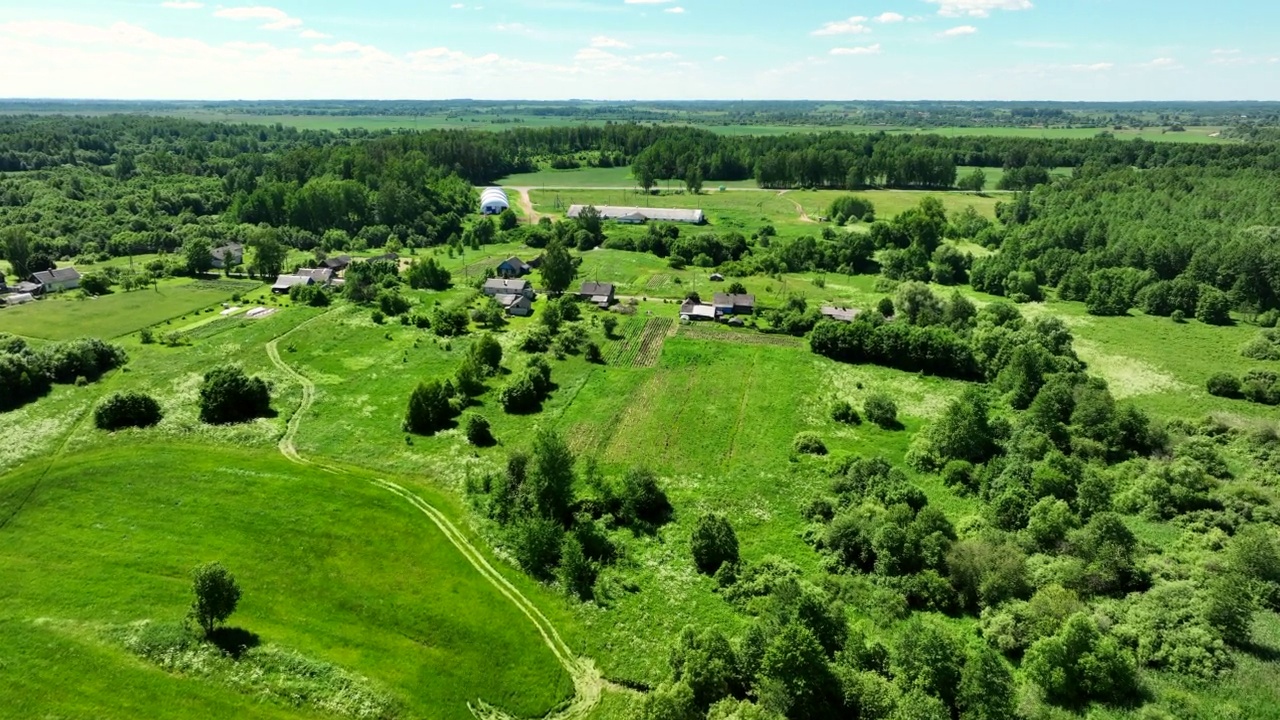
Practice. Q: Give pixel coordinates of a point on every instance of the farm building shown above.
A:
(285, 282)
(840, 314)
(493, 201)
(600, 294)
(636, 215)
(506, 286)
(337, 264)
(55, 280)
(229, 255)
(320, 276)
(513, 267)
(691, 311)
(726, 304)
(518, 305)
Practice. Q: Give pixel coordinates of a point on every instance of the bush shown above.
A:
(714, 543)
(535, 543)
(1269, 319)
(842, 412)
(1224, 385)
(429, 409)
(377, 317)
(1264, 346)
(478, 431)
(216, 596)
(520, 395)
(146, 336)
(881, 410)
(449, 323)
(1214, 307)
(593, 354)
(1178, 316)
(807, 443)
(129, 409)
(639, 497)
(228, 395)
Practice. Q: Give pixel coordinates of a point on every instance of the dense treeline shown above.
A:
(27, 372)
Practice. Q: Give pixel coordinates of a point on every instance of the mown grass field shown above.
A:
(106, 538)
(65, 316)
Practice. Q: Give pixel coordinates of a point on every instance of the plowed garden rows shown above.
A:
(655, 333)
(623, 350)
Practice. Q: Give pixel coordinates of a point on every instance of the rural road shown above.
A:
(588, 684)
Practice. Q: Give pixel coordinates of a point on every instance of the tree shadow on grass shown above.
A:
(234, 641)
(1265, 653)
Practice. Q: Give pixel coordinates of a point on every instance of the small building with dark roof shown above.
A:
(337, 264)
(286, 282)
(320, 276)
(385, 257)
(517, 305)
(56, 280)
(508, 286)
(597, 293)
(840, 314)
(514, 267)
(726, 304)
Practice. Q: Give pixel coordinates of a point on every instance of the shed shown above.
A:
(598, 293)
(717, 277)
(697, 312)
(493, 200)
(838, 313)
(518, 305)
(55, 280)
(337, 264)
(513, 267)
(508, 286)
(285, 282)
(741, 304)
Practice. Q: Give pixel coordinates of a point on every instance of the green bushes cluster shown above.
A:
(26, 372)
(127, 409)
(228, 395)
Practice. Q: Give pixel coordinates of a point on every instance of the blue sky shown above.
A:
(642, 49)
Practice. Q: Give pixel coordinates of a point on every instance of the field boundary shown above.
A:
(587, 682)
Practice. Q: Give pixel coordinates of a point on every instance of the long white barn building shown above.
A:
(639, 215)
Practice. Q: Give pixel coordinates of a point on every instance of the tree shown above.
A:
(795, 679)
(639, 497)
(576, 574)
(507, 220)
(197, 254)
(737, 288)
(478, 431)
(918, 305)
(429, 409)
(1214, 307)
(714, 543)
(589, 220)
(428, 274)
(17, 250)
(269, 254)
(706, 662)
(975, 181)
(963, 432)
(928, 657)
(549, 484)
(557, 267)
(1079, 665)
(1109, 292)
(488, 352)
(986, 685)
(693, 180)
(228, 395)
(880, 409)
(1229, 607)
(127, 409)
(216, 596)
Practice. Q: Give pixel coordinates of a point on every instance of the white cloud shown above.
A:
(274, 18)
(889, 17)
(604, 41)
(1163, 63)
(958, 31)
(677, 10)
(867, 50)
(978, 8)
(722, 58)
(852, 26)
(1094, 67)
(181, 5)
(314, 35)
(656, 56)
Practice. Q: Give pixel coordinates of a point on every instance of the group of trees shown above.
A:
(27, 372)
(434, 404)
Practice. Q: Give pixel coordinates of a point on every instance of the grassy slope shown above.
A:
(65, 316)
(108, 536)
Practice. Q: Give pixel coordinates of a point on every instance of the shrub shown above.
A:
(881, 410)
(520, 394)
(478, 431)
(536, 340)
(449, 323)
(228, 395)
(377, 317)
(1214, 307)
(488, 353)
(129, 409)
(1178, 316)
(1264, 346)
(146, 336)
(639, 497)
(1224, 385)
(1269, 319)
(593, 354)
(807, 443)
(843, 412)
(536, 543)
(714, 543)
(885, 307)
(429, 409)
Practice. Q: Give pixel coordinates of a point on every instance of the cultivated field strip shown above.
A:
(651, 341)
(587, 682)
(623, 350)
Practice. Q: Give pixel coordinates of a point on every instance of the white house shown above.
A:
(55, 280)
(508, 286)
(229, 255)
(493, 201)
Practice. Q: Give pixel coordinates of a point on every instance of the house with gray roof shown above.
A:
(740, 304)
(598, 293)
(229, 255)
(286, 282)
(508, 286)
(57, 280)
(637, 215)
(320, 276)
(517, 305)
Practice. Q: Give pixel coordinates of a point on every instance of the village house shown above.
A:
(692, 311)
(840, 314)
(508, 286)
(514, 267)
(228, 256)
(726, 304)
(599, 294)
(518, 305)
(285, 282)
(337, 264)
(56, 280)
(320, 276)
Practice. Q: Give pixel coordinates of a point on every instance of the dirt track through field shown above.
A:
(588, 684)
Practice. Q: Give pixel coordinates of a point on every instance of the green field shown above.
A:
(67, 316)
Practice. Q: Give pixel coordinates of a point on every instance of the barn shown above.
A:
(493, 201)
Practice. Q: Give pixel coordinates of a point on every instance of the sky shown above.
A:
(1100, 50)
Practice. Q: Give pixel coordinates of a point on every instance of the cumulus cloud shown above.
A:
(958, 31)
(1161, 63)
(604, 41)
(1093, 67)
(865, 50)
(314, 35)
(273, 18)
(889, 17)
(853, 26)
(977, 8)
(677, 10)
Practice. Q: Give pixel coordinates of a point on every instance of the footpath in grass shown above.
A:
(107, 538)
(65, 317)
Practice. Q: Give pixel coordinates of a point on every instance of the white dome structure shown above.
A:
(493, 201)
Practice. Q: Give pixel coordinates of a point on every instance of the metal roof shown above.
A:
(615, 212)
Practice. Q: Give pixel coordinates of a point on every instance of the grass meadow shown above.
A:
(66, 316)
(106, 537)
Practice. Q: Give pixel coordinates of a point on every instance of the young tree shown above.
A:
(610, 324)
(429, 274)
(880, 409)
(929, 657)
(507, 220)
(216, 596)
(986, 685)
(693, 180)
(1079, 665)
(17, 250)
(478, 431)
(269, 253)
(488, 353)
(576, 573)
(975, 181)
(197, 254)
(228, 395)
(429, 409)
(1214, 307)
(557, 268)
(551, 477)
(714, 543)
